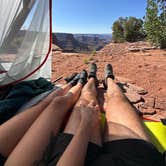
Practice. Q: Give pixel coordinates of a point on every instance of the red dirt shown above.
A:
(145, 69)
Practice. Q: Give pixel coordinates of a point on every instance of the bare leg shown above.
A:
(122, 120)
(88, 94)
(13, 130)
(36, 144)
(58, 92)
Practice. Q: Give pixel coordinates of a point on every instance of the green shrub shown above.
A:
(155, 22)
(94, 52)
(128, 29)
(87, 60)
(90, 58)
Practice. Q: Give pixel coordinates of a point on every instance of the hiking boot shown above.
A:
(108, 71)
(83, 77)
(75, 79)
(92, 70)
(68, 79)
(92, 73)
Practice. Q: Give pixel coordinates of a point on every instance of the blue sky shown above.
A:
(93, 16)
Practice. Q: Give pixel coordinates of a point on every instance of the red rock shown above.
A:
(144, 109)
(139, 105)
(133, 97)
(158, 116)
(56, 48)
(160, 103)
(134, 49)
(148, 111)
(147, 54)
(149, 103)
(137, 89)
(126, 66)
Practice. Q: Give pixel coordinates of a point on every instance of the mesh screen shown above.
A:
(24, 39)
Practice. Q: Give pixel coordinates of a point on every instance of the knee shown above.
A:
(85, 91)
(88, 95)
(82, 100)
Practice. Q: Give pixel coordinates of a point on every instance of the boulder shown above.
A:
(133, 97)
(137, 89)
(158, 116)
(148, 111)
(56, 48)
(134, 49)
(147, 54)
(149, 103)
(160, 103)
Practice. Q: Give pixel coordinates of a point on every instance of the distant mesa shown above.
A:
(81, 42)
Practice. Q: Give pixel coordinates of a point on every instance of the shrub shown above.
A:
(128, 29)
(118, 31)
(155, 22)
(86, 60)
(94, 52)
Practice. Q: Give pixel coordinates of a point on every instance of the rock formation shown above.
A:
(80, 43)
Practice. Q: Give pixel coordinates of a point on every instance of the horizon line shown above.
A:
(84, 33)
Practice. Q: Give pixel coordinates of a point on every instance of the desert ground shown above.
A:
(140, 68)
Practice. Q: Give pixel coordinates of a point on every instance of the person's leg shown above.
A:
(122, 120)
(13, 130)
(37, 143)
(88, 94)
(126, 137)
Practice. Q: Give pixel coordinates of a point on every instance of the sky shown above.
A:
(93, 16)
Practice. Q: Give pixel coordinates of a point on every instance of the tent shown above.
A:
(25, 40)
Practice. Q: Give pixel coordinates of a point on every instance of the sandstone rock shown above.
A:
(139, 105)
(147, 54)
(113, 49)
(160, 103)
(162, 114)
(148, 48)
(134, 49)
(159, 115)
(123, 80)
(137, 89)
(79, 42)
(149, 103)
(148, 111)
(133, 97)
(56, 48)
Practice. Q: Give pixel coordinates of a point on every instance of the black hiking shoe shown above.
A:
(92, 71)
(83, 77)
(108, 71)
(68, 79)
(75, 79)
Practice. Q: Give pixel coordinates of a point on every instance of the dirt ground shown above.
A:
(146, 69)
